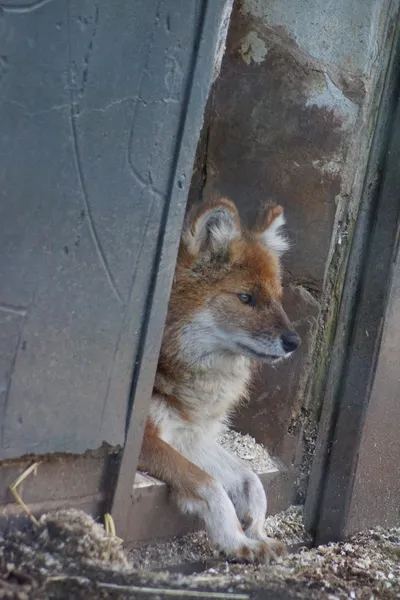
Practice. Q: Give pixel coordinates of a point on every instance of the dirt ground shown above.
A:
(70, 557)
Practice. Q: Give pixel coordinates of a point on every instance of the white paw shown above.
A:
(256, 551)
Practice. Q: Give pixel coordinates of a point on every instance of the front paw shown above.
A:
(255, 532)
(256, 551)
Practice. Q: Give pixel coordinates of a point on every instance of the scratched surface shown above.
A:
(92, 99)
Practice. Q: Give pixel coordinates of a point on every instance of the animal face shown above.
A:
(227, 292)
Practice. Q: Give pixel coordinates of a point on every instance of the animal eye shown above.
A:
(247, 299)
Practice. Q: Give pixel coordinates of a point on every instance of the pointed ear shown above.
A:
(270, 230)
(211, 227)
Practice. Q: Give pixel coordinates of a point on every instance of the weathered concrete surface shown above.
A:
(279, 129)
(342, 33)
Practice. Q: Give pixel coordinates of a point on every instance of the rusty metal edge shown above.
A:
(196, 93)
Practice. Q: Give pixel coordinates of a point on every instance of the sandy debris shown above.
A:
(367, 567)
(191, 548)
(246, 448)
(70, 556)
(194, 547)
(288, 527)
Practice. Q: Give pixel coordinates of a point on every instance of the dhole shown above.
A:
(224, 314)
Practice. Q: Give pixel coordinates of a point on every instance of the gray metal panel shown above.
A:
(212, 20)
(93, 99)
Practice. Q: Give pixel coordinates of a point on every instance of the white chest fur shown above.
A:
(207, 396)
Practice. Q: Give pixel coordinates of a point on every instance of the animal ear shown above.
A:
(270, 230)
(212, 226)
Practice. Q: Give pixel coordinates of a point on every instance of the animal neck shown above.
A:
(208, 390)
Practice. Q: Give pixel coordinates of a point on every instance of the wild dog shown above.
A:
(224, 314)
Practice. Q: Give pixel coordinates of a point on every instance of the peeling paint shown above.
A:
(332, 97)
(341, 33)
(262, 115)
(332, 167)
(222, 34)
(253, 48)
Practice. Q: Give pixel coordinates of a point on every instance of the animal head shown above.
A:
(227, 291)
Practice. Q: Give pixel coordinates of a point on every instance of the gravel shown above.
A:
(246, 448)
(195, 548)
(366, 567)
(69, 556)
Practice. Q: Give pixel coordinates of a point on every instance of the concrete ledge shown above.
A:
(157, 518)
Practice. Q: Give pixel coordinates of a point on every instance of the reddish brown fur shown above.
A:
(178, 406)
(251, 268)
(267, 216)
(245, 553)
(163, 461)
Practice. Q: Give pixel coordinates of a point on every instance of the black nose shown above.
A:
(290, 341)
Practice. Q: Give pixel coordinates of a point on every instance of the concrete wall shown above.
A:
(290, 120)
